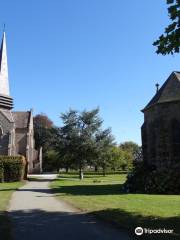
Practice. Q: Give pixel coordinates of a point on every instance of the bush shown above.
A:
(148, 179)
(12, 168)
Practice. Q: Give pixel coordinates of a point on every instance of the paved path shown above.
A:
(37, 215)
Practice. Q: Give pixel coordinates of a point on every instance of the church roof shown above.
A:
(169, 92)
(21, 119)
(8, 114)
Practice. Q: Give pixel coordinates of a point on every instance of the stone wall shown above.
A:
(161, 134)
(5, 128)
(21, 141)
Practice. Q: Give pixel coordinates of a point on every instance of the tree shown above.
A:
(81, 138)
(104, 143)
(42, 131)
(169, 42)
(51, 160)
(130, 151)
(118, 159)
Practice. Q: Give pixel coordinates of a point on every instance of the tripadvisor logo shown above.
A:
(139, 231)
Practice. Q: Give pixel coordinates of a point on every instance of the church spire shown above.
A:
(4, 81)
(6, 102)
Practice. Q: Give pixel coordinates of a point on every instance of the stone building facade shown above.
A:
(161, 128)
(16, 128)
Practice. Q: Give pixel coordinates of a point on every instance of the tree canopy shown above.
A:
(42, 131)
(81, 138)
(169, 42)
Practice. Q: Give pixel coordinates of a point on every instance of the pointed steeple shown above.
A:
(4, 81)
(5, 100)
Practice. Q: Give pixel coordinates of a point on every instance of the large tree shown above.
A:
(78, 138)
(169, 42)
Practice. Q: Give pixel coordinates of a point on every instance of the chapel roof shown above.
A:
(21, 119)
(8, 114)
(169, 92)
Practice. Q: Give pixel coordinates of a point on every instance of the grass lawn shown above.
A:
(6, 190)
(104, 197)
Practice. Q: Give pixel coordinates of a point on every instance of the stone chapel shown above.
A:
(16, 127)
(161, 128)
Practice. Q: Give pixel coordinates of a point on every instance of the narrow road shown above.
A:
(37, 215)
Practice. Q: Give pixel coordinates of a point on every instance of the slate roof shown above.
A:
(8, 115)
(169, 92)
(21, 119)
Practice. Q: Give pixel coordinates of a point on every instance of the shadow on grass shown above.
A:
(87, 190)
(130, 221)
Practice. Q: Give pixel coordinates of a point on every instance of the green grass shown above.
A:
(104, 197)
(6, 190)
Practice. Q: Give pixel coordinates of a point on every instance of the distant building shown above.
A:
(16, 128)
(161, 128)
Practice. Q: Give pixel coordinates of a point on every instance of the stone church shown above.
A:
(16, 128)
(161, 128)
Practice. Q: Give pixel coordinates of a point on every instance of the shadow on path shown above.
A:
(38, 224)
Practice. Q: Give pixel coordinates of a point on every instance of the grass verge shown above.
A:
(6, 190)
(104, 197)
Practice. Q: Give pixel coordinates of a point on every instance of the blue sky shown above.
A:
(82, 54)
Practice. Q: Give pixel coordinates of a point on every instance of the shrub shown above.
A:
(147, 179)
(13, 168)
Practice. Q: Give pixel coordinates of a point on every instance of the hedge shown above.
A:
(12, 168)
(147, 179)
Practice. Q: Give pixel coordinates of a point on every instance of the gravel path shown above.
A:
(37, 215)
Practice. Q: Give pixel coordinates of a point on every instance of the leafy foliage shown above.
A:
(42, 131)
(81, 139)
(132, 152)
(169, 42)
(51, 160)
(12, 168)
(147, 179)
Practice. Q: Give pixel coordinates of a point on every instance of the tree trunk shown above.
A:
(104, 171)
(96, 168)
(81, 175)
(67, 169)
(25, 171)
